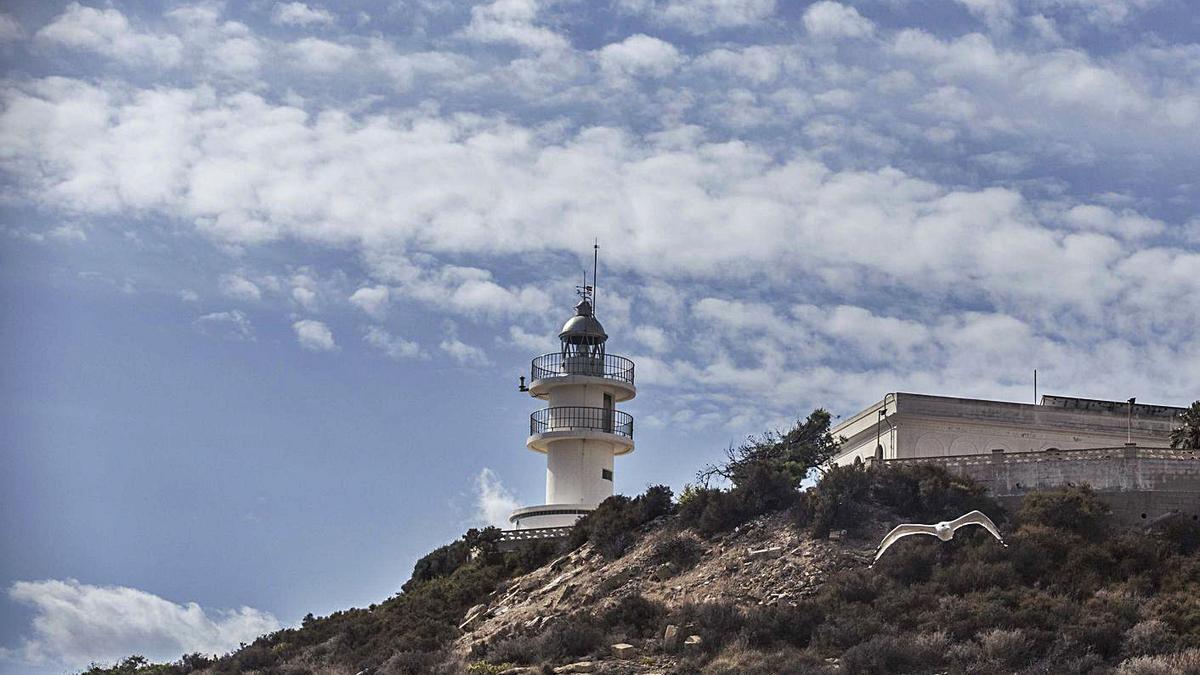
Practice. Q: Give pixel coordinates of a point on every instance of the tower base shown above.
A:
(548, 515)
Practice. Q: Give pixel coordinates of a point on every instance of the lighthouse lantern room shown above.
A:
(580, 430)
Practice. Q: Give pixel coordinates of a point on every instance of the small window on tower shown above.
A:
(606, 474)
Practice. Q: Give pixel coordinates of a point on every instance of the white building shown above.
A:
(903, 426)
(580, 430)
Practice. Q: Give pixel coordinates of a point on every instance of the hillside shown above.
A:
(765, 578)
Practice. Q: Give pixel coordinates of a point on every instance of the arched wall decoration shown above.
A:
(929, 444)
(963, 446)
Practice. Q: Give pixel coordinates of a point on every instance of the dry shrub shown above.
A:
(738, 660)
(1181, 663)
(1148, 638)
(572, 638)
(1011, 648)
(887, 654)
(521, 650)
(681, 551)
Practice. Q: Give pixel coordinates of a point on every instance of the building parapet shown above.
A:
(1139, 484)
(1119, 452)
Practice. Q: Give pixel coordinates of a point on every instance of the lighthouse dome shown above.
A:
(584, 327)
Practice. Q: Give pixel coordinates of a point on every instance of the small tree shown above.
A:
(807, 446)
(1186, 436)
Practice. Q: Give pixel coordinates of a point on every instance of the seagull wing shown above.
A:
(977, 518)
(901, 531)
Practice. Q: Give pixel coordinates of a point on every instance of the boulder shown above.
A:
(624, 650)
(671, 637)
(577, 667)
(472, 615)
(692, 644)
(771, 552)
(664, 571)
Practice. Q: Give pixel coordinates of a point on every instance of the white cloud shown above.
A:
(314, 336)
(299, 14)
(372, 299)
(464, 353)
(75, 623)
(305, 297)
(997, 14)
(526, 340)
(466, 290)
(232, 324)
(107, 32)
(653, 337)
(639, 55)
(67, 233)
(394, 347)
(321, 56)
(239, 288)
(1126, 224)
(237, 55)
(10, 29)
(513, 22)
(1100, 12)
(702, 16)
(833, 19)
(493, 501)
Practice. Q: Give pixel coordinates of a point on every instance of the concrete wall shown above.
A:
(574, 472)
(1139, 484)
(575, 466)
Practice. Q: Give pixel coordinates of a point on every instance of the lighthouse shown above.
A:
(580, 430)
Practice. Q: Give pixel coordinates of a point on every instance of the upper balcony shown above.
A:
(573, 421)
(550, 370)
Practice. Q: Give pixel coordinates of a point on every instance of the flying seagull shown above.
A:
(943, 530)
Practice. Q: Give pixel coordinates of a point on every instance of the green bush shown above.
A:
(614, 525)
(633, 616)
(681, 551)
(886, 654)
(1074, 509)
(573, 638)
(838, 500)
(717, 623)
(781, 625)
(1180, 531)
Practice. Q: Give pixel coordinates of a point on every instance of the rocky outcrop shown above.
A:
(764, 562)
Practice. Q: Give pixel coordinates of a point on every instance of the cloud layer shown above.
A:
(875, 204)
(75, 624)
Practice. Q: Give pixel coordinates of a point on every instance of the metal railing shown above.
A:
(569, 417)
(535, 533)
(609, 366)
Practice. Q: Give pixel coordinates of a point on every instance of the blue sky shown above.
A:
(270, 270)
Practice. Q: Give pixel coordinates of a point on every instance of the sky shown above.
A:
(270, 270)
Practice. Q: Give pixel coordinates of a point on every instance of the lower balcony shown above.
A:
(581, 422)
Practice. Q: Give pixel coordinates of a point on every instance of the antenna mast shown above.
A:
(595, 265)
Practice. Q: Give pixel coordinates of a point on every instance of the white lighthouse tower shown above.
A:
(580, 430)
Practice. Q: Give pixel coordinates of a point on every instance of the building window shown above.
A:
(606, 474)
